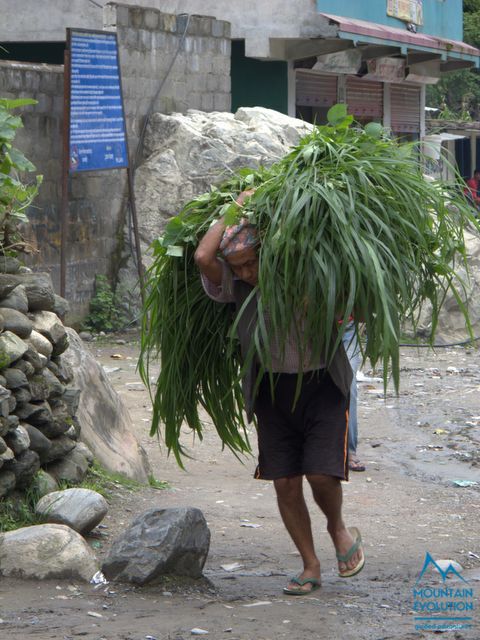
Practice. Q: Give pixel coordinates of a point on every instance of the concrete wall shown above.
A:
(253, 20)
(148, 41)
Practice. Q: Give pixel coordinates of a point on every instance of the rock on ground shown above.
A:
(46, 551)
(451, 323)
(80, 509)
(106, 423)
(158, 542)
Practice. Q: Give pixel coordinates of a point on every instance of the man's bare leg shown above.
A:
(296, 519)
(327, 492)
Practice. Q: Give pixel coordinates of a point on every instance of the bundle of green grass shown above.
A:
(349, 227)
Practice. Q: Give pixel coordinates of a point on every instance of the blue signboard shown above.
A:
(97, 123)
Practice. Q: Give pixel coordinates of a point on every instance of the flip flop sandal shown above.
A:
(354, 464)
(346, 557)
(316, 584)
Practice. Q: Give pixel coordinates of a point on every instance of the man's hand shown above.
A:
(244, 195)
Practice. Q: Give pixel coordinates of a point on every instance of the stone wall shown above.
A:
(38, 428)
(149, 41)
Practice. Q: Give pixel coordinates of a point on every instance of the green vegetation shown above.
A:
(16, 195)
(457, 94)
(107, 482)
(19, 511)
(348, 226)
(105, 314)
(157, 484)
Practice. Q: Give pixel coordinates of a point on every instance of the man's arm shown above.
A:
(206, 253)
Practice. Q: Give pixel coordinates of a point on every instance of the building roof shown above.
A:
(371, 32)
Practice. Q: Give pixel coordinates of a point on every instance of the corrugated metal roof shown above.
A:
(373, 30)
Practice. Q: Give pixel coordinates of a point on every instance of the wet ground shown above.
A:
(420, 493)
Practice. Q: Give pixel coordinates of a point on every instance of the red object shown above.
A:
(472, 189)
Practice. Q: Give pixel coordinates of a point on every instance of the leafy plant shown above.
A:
(15, 194)
(104, 314)
(458, 93)
(16, 512)
(348, 226)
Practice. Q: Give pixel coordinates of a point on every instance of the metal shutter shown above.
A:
(405, 106)
(315, 89)
(364, 97)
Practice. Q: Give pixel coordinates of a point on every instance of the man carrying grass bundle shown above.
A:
(299, 434)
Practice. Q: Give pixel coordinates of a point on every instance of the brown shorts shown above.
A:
(310, 439)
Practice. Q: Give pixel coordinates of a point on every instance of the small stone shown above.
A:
(38, 442)
(41, 344)
(32, 356)
(24, 466)
(60, 447)
(11, 348)
(17, 299)
(15, 378)
(17, 322)
(71, 468)
(61, 307)
(18, 440)
(7, 285)
(24, 366)
(43, 483)
(7, 482)
(9, 264)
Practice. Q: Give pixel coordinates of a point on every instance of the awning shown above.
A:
(373, 33)
(432, 144)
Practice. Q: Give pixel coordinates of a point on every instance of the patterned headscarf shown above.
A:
(239, 237)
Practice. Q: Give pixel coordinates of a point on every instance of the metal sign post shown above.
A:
(95, 136)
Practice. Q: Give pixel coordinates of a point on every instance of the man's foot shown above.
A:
(354, 463)
(348, 545)
(305, 583)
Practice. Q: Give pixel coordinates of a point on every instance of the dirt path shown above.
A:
(406, 504)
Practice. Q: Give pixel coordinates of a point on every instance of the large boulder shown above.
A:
(46, 551)
(186, 153)
(451, 322)
(106, 425)
(159, 542)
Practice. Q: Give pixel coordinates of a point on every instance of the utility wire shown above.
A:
(141, 139)
(440, 346)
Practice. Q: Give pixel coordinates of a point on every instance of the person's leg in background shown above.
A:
(350, 342)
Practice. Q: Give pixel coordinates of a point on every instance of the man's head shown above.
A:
(239, 247)
(244, 264)
(476, 173)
